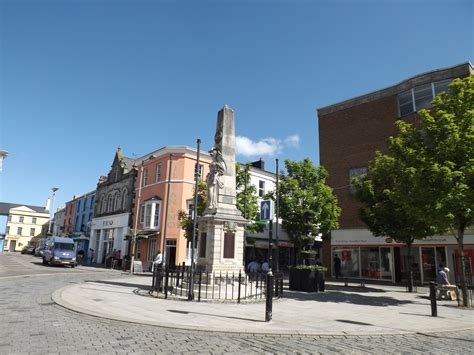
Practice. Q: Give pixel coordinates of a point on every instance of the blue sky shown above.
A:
(79, 78)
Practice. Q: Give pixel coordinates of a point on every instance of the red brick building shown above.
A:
(350, 132)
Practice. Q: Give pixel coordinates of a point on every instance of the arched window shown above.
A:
(110, 203)
(103, 204)
(116, 201)
(124, 199)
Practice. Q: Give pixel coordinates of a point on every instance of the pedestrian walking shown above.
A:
(337, 266)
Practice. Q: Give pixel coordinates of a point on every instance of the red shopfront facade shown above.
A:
(365, 256)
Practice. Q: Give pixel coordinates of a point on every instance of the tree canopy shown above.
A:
(307, 205)
(247, 199)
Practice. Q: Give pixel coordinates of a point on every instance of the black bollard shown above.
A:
(434, 309)
(269, 303)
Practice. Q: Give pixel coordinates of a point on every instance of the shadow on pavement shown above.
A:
(215, 315)
(344, 297)
(123, 284)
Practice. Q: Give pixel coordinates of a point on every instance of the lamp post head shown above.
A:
(3, 155)
(55, 189)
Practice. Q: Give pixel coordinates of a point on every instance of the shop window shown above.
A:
(370, 263)
(349, 261)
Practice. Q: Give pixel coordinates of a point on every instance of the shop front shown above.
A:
(365, 256)
(108, 234)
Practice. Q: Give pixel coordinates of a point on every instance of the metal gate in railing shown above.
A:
(214, 286)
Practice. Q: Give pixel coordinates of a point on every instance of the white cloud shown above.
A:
(293, 141)
(264, 147)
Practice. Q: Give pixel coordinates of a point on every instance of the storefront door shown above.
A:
(428, 263)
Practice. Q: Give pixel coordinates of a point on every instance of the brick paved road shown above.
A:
(31, 323)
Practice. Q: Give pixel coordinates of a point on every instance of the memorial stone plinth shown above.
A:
(221, 228)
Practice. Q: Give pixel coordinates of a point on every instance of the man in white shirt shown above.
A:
(157, 261)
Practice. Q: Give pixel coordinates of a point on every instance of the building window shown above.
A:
(90, 217)
(356, 173)
(420, 97)
(158, 172)
(145, 177)
(405, 103)
(84, 204)
(22, 219)
(423, 96)
(190, 207)
(78, 207)
(32, 232)
(151, 210)
(124, 199)
(19, 230)
(142, 214)
(7, 230)
(229, 243)
(33, 220)
(261, 188)
(199, 171)
(92, 202)
(202, 245)
(9, 218)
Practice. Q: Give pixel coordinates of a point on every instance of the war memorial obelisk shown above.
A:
(221, 228)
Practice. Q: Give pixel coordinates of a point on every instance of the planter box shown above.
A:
(306, 280)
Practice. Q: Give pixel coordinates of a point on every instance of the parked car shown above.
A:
(39, 251)
(60, 251)
(29, 249)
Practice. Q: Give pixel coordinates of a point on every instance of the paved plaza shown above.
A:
(33, 323)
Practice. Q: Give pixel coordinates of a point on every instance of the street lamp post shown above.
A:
(193, 241)
(51, 209)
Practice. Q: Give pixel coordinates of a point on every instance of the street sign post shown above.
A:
(267, 210)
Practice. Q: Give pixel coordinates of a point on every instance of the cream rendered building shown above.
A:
(24, 222)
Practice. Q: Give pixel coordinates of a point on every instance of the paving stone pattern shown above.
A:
(31, 323)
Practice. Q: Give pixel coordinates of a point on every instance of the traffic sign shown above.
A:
(266, 210)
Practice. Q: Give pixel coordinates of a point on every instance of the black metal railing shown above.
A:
(214, 286)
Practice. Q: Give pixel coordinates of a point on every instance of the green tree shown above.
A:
(307, 205)
(247, 199)
(185, 219)
(439, 155)
(391, 206)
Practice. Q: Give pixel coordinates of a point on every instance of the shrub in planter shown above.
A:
(308, 278)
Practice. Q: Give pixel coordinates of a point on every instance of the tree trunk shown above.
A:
(462, 279)
(410, 269)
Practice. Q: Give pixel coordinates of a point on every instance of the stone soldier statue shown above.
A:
(214, 181)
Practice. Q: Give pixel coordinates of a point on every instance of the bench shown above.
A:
(355, 280)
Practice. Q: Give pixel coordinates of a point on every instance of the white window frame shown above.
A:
(145, 176)
(22, 219)
(151, 220)
(158, 173)
(413, 102)
(19, 230)
(33, 220)
(261, 189)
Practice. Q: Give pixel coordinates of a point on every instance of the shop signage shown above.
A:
(107, 223)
